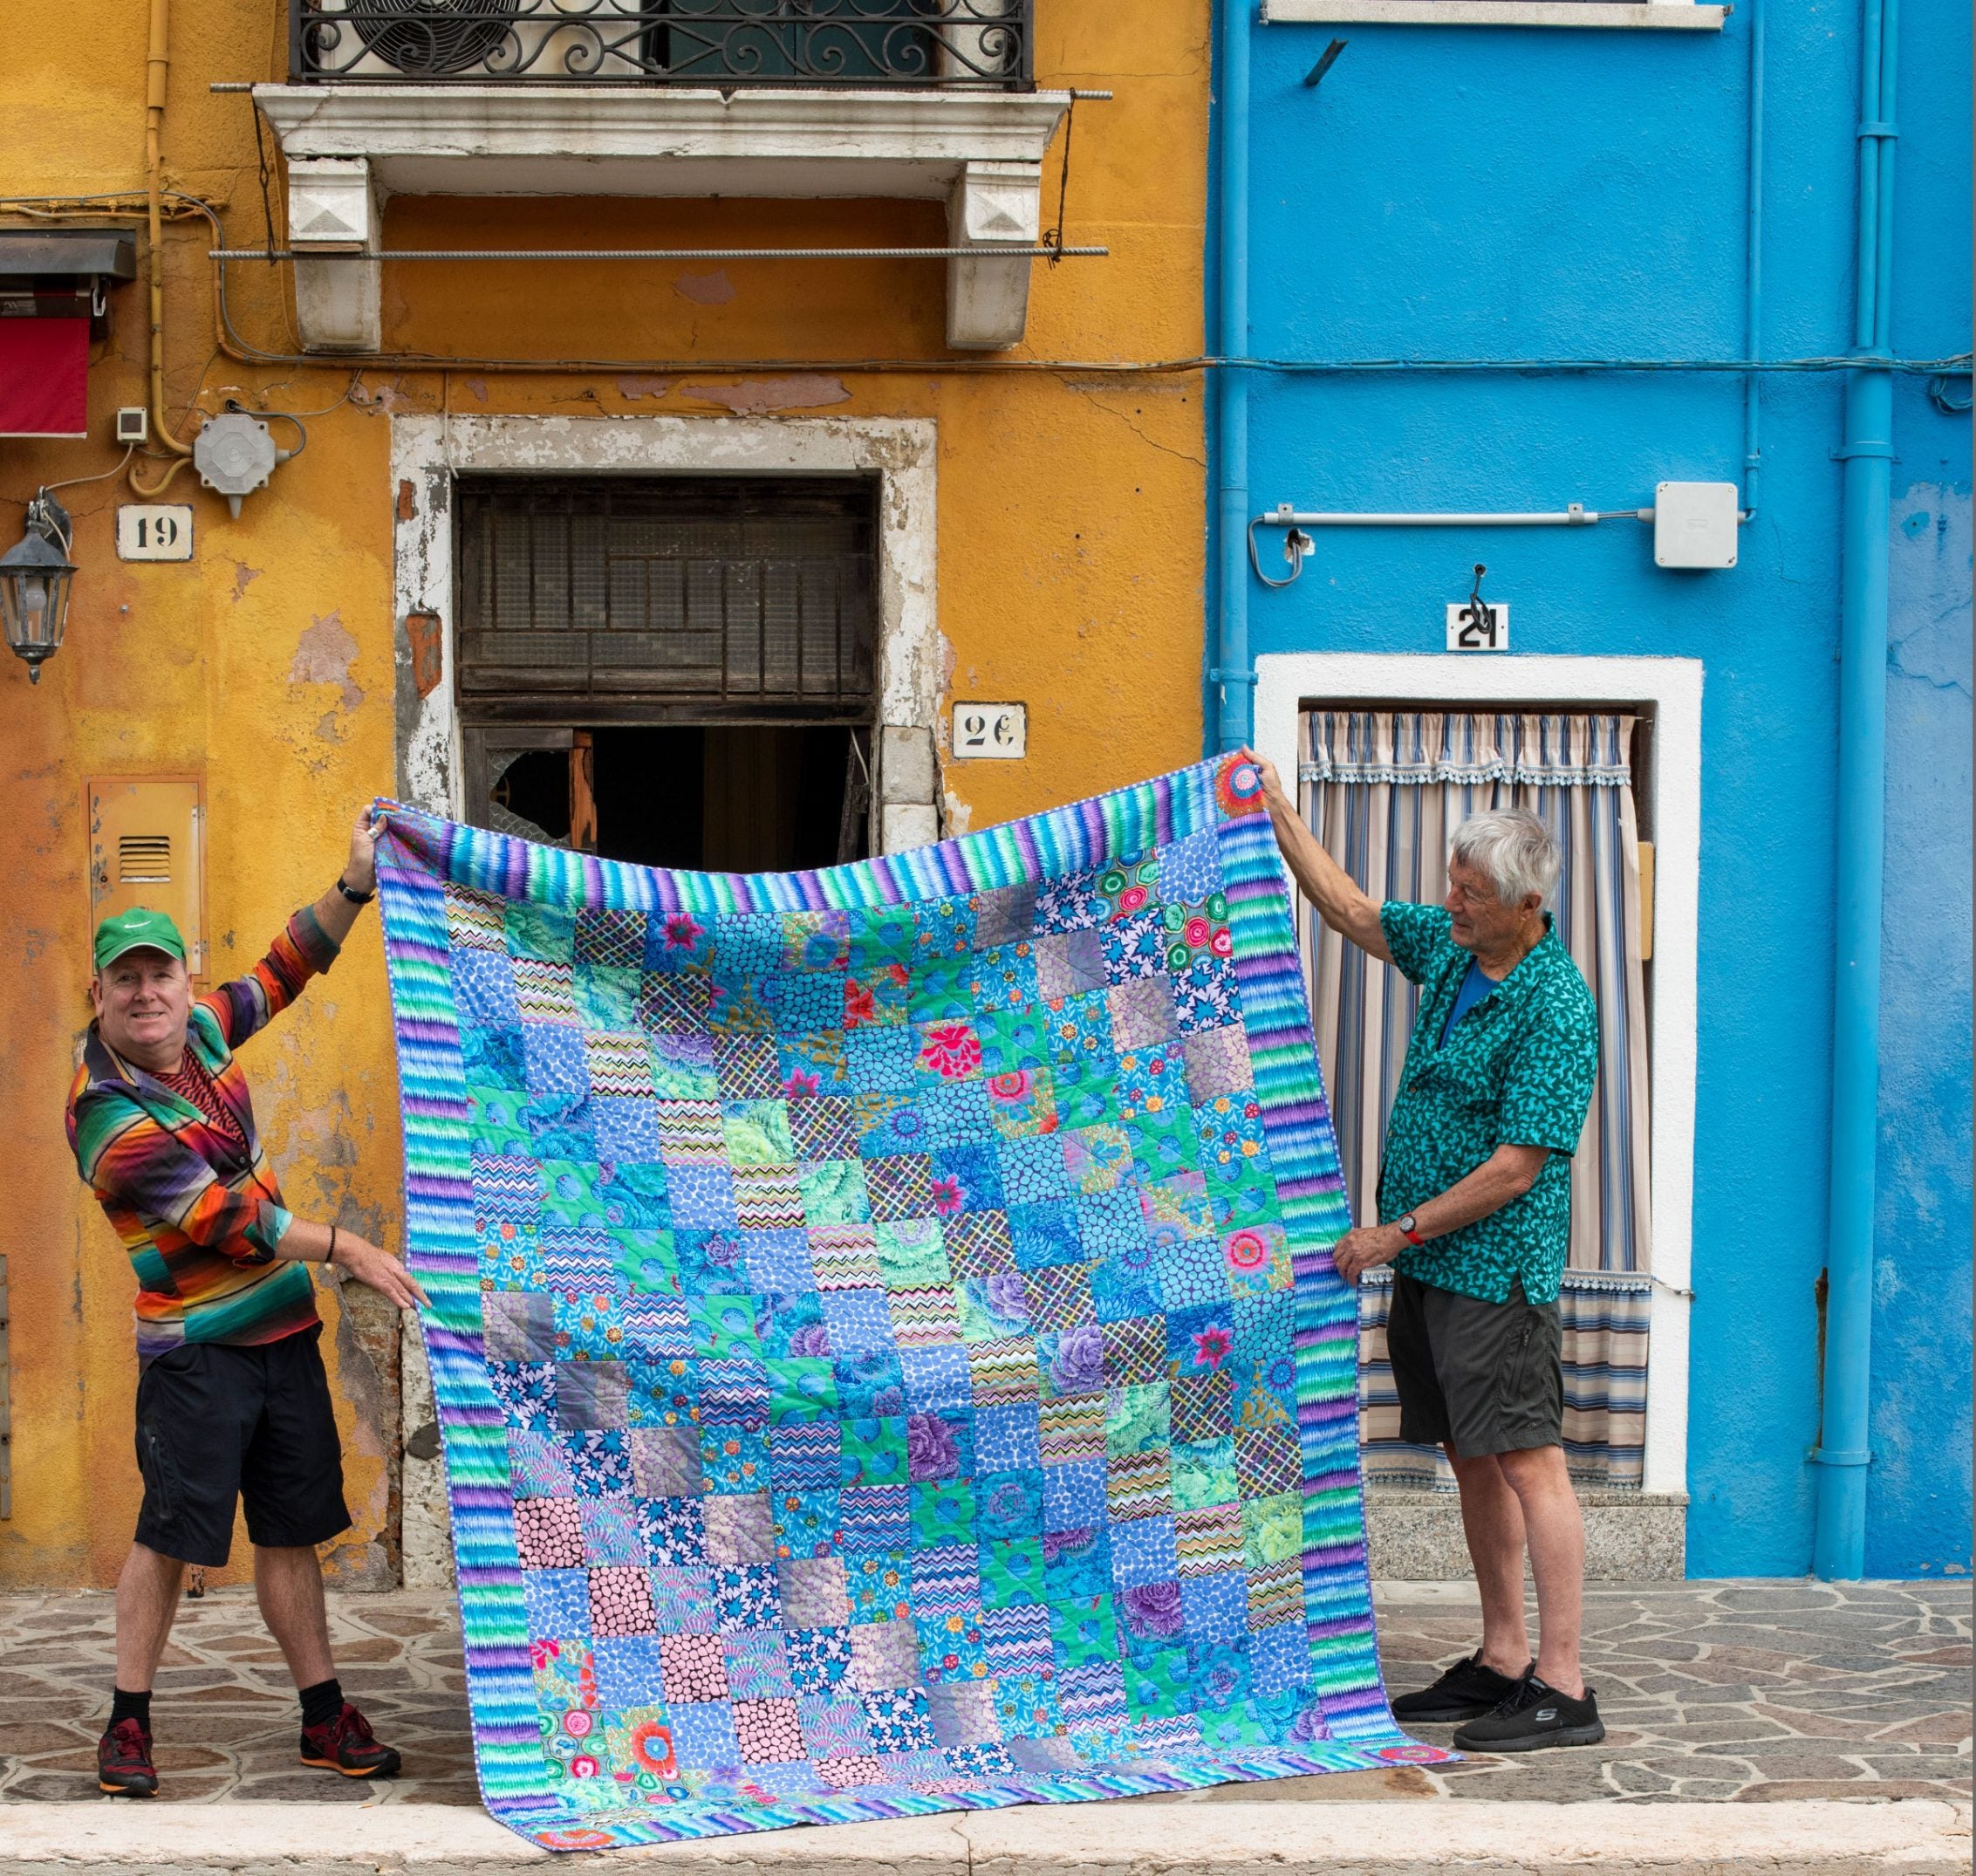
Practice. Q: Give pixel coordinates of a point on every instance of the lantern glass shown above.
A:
(34, 600)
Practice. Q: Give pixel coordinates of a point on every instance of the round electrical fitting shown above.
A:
(235, 454)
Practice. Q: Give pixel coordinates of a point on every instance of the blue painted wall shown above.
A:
(1463, 192)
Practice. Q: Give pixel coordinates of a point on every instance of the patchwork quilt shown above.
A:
(883, 1325)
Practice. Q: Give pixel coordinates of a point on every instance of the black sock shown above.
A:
(321, 1703)
(126, 1706)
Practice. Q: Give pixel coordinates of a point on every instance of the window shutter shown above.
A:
(682, 598)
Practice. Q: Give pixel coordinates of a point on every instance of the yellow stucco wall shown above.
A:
(1069, 545)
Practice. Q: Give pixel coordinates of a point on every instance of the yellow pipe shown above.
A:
(151, 490)
(157, 66)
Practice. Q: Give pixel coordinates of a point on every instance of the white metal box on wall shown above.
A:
(1695, 523)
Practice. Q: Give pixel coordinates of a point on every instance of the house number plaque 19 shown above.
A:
(154, 531)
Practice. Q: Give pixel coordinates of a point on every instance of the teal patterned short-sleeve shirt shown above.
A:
(1518, 1069)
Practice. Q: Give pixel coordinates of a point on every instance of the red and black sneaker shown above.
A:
(346, 1744)
(123, 1762)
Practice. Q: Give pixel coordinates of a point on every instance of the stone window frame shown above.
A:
(428, 452)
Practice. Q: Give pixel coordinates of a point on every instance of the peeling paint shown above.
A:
(243, 576)
(385, 398)
(425, 633)
(323, 655)
(754, 396)
(705, 290)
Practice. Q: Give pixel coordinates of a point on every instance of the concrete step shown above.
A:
(1913, 1837)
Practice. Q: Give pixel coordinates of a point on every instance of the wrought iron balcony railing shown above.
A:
(951, 44)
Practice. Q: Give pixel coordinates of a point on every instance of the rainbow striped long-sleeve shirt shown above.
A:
(199, 1211)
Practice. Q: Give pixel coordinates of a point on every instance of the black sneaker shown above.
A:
(1532, 1717)
(346, 1744)
(123, 1762)
(1465, 1691)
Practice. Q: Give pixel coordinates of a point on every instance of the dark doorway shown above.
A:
(741, 797)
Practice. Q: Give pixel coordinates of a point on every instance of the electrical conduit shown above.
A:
(157, 67)
(1843, 1454)
(1231, 674)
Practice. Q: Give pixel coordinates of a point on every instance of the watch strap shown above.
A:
(353, 896)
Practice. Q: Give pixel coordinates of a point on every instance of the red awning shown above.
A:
(44, 377)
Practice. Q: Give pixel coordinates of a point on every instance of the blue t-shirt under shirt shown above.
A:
(1476, 984)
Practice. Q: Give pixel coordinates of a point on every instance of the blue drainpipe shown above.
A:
(1753, 261)
(1842, 1455)
(1230, 673)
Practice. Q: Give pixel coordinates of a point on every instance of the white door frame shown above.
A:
(1288, 681)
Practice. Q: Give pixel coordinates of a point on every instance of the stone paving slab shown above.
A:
(1751, 1692)
(1912, 1838)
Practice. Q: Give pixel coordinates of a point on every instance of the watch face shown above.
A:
(1407, 1225)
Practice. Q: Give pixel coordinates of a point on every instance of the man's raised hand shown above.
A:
(1272, 782)
(360, 871)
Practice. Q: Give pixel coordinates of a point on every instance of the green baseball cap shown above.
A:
(139, 929)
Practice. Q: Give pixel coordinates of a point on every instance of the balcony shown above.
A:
(953, 44)
(806, 99)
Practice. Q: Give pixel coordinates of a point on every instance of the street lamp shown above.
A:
(34, 585)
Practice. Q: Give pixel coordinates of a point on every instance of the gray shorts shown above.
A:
(1481, 1377)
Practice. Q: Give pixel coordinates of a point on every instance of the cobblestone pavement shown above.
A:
(1743, 1690)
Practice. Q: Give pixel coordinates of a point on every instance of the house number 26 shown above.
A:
(990, 731)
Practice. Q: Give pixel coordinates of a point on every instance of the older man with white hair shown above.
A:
(1474, 1207)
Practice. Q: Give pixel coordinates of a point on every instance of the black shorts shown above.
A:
(216, 1424)
(1481, 1377)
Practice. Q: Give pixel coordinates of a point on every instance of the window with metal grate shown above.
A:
(684, 598)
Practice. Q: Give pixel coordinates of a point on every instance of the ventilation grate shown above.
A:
(144, 859)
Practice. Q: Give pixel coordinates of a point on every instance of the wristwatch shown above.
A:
(352, 895)
(1406, 1228)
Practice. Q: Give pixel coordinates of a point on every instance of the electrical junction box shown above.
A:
(1694, 523)
(235, 454)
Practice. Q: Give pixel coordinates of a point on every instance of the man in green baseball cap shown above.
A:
(233, 1403)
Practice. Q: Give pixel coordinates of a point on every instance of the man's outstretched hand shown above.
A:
(360, 870)
(366, 1263)
(1272, 782)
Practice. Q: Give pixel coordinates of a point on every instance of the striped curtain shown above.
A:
(1385, 790)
